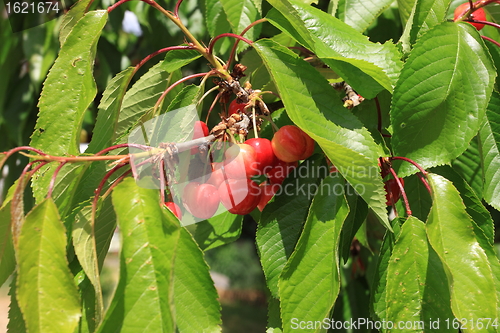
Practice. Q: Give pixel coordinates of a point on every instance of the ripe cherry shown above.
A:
(239, 196)
(264, 154)
(282, 169)
(267, 191)
(392, 191)
(200, 131)
(235, 107)
(240, 162)
(217, 176)
(174, 209)
(291, 144)
(478, 14)
(201, 200)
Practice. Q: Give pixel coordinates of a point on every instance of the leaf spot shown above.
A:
(75, 61)
(128, 260)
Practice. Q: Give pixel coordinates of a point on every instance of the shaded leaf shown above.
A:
(76, 12)
(490, 148)
(315, 260)
(241, 13)
(218, 230)
(7, 259)
(46, 292)
(176, 59)
(433, 115)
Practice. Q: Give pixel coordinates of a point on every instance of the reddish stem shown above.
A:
(121, 2)
(176, 10)
(98, 190)
(235, 46)
(491, 40)
(189, 77)
(164, 50)
(162, 181)
(213, 105)
(53, 179)
(425, 182)
(116, 182)
(409, 161)
(403, 192)
(123, 145)
(228, 34)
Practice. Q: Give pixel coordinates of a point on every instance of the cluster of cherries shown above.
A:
(231, 181)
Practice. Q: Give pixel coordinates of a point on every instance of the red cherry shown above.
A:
(236, 107)
(282, 169)
(264, 154)
(479, 14)
(240, 162)
(200, 131)
(267, 192)
(239, 196)
(392, 191)
(174, 209)
(201, 200)
(291, 144)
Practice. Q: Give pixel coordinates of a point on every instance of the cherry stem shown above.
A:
(162, 181)
(98, 190)
(425, 182)
(403, 192)
(213, 105)
(53, 179)
(123, 145)
(116, 182)
(18, 149)
(496, 25)
(164, 50)
(176, 10)
(491, 40)
(228, 34)
(121, 2)
(235, 46)
(189, 77)
(409, 161)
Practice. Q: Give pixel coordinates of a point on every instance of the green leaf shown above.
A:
(418, 197)
(176, 59)
(281, 222)
(194, 291)
(361, 14)
(417, 286)
(149, 240)
(473, 205)
(451, 234)
(315, 259)
(241, 13)
(69, 20)
(91, 246)
(217, 23)
(16, 322)
(490, 148)
(46, 292)
(469, 164)
(378, 304)
(142, 97)
(308, 102)
(219, 230)
(7, 258)
(109, 111)
(433, 115)
(368, 67)
(69, 89)
(358, 210)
